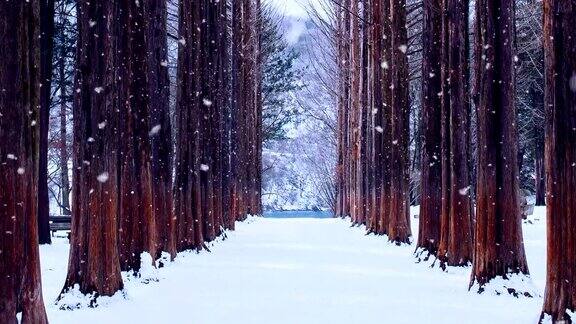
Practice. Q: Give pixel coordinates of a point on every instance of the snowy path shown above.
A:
(295, 271)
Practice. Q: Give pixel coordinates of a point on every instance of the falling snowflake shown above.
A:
(103, 177)
(182, 41)
(207, 102)
(164, 63)
(464, 191)
(20, 171)
(204, 167)
(155, 130)
(91, 140)
(379, 129)
(11, 157)
(92, 23)
(395, 142)
(384, 65)
(98, 89)
(403, 48)
(102, 125)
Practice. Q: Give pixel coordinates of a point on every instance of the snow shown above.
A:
(301, 271)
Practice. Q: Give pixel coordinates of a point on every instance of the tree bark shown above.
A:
(431, 175)
(46, 49)
(499, 248)
(94, 262)
(560, 156)
(161, 128)
(187, 195)
(455, 248)
(399, 220)
(137, 227)
(19, 135)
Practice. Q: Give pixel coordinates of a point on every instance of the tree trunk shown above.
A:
(455, 248)
(94, 263)
(137, 228)
(499, 248)
(161, 128)
(64, 156)
(187, 199)
(46, 49)
(560, 156)
(19, 80)
(540, 175)
(399, 220)
(431, 175)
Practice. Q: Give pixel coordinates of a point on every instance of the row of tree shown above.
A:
(372, 178)
(132, 192)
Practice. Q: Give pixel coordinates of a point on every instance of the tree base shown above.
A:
(516, 285)
(73, 298)
(425, 255)
(548, 319)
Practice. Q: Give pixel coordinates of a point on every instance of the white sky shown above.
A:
(294, 8)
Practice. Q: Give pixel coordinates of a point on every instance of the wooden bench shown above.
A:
(61, 223)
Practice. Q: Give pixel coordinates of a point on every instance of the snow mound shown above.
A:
(148, 271)
(75, 299)
(517, 285)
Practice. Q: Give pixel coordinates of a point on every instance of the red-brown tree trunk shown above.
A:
(560, 104)
(455, 248)
(187, 200)
(431, 176)
(21, 288)
(137, 230)
(499, 247)
(399, 220)
(161, 128)
(94, 263)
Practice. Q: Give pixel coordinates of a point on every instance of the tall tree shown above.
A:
(187, 195)
(455, 247)
(19, 134)
(46, 50)
(499, 247)
(161, 128)
(65, 35)
(94, 262)
(399, 220)
(431, 176)
(137, 227)
(560, 105)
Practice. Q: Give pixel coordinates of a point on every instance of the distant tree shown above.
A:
(280, 77)
(530, 97)
(46, 51)
(65, 36)
(21, 288)
(560, 106)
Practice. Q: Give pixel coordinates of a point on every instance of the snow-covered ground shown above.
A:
(297, 271)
